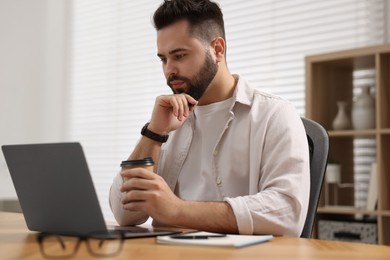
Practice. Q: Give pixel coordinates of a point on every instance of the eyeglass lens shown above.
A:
(56, 246)
(59, 246)
(101, 247)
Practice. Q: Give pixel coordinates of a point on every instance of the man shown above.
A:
(236, 160)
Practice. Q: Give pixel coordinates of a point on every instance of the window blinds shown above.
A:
(116, 75)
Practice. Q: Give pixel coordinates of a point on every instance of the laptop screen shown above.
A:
(54, 188)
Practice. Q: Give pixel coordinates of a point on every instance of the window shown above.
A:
(116, 75)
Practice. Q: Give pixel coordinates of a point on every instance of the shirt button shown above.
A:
(219, 181)
(215, 152)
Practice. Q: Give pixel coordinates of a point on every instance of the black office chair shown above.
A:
(318, 140)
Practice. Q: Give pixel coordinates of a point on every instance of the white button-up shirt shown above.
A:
(260, 163)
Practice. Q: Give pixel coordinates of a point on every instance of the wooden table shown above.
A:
(17, 242)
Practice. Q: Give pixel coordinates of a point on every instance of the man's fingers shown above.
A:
(180, 104)
(183, 107)
(170, 111)
(137, 173)
(133, 196)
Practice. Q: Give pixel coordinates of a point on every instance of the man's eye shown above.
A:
(179, 56)
(163, 60)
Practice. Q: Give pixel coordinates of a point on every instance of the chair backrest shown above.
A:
(318, 140)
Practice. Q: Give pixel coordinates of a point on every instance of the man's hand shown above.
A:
(149, 193)
(170, 111)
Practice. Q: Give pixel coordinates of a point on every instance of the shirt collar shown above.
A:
(243, 93)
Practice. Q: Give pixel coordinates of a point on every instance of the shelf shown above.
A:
(345, 210)
(384, 131)
(352, 133)
(357, 133)
(331, 78)
(351, 210)
(385, 213)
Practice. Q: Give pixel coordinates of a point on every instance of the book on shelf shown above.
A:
(372, 195)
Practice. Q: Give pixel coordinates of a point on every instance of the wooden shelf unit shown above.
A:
(329, 78)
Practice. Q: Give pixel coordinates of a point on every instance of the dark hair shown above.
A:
(204, 17)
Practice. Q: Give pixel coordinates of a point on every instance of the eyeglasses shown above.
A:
(98, 244)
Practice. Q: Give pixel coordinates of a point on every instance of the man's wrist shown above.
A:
(152, 127)
(162, 138)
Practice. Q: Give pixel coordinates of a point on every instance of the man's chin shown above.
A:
(196, 95)
(194, 92)
(177, 90)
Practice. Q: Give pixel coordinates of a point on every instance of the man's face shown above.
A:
(188, 67)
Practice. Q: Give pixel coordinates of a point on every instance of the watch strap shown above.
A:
(152, 135)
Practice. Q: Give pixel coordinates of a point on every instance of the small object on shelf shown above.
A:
(333, 173)
(332, 177)
(341, 121)
(372, 197)
(333, 183)
(352, 231)
(363, 110)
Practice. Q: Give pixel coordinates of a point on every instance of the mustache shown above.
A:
(175, 77)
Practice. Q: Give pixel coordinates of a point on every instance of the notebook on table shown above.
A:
(213, 239)
(56, 191)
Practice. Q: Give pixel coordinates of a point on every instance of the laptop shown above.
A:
(56, 192)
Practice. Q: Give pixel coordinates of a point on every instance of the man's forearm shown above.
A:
(207, 216)
(147, 148)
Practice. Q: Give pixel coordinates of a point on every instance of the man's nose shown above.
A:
(170, 69)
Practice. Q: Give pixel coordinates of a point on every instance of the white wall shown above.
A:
(32, 85)
(387, 17)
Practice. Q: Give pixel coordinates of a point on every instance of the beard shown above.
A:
(197, 86)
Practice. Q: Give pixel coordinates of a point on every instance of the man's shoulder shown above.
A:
(264, 95)
(251, 95)
(262, 103)
(246, 89)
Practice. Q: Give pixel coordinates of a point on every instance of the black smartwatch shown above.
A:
(152, 135)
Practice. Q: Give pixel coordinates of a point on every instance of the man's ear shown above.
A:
(218, 44)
